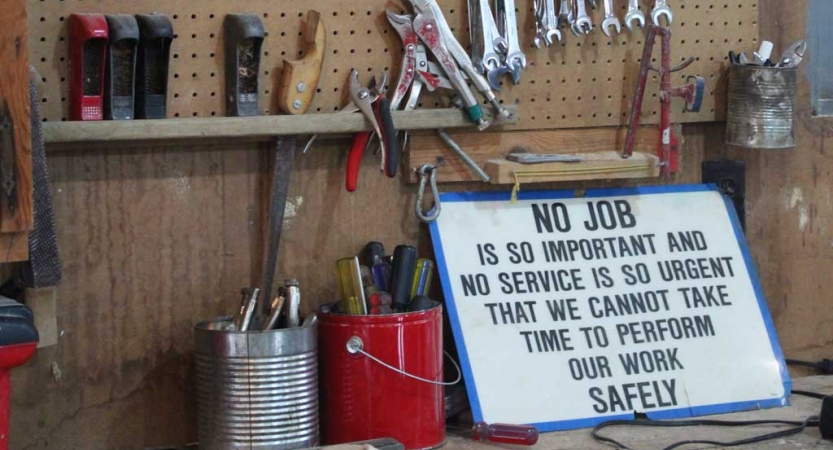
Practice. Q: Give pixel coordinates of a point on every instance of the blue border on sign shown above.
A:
(452, 197)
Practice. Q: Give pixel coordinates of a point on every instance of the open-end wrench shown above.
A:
(540, 33)
(486, 39)
(661, 9)
(508, 23)
(583, 24)
(610, 19)
(565, 13)
(634, 15)
(551, 24)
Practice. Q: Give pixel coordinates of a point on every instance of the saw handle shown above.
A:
(300, 78)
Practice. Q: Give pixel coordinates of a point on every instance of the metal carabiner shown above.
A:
(426, 172)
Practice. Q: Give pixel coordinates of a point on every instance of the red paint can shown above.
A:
(363, 399)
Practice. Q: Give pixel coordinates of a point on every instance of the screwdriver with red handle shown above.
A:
(504, 433)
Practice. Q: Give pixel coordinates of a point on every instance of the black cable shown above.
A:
(797, 427)
(798, 362)
(824, 366)
(807, 394)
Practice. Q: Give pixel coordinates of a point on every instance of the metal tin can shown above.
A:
(256, 389)
(761, 107)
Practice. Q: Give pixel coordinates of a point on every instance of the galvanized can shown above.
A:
(257, 389)
(761, 107)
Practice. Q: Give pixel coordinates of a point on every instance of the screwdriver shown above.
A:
(422, 277)
(504, 433)
(379, 303)
(402, 276)
(421, 303)
(381, 275)
(350, 286)
(372, 254)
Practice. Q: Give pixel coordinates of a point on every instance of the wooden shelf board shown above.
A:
(250, 127)
(594, 166)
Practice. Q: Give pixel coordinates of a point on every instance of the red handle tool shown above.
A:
(354, 159)
(504, 433)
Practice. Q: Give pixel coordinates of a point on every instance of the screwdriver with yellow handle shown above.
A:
(422, 277)
(350, 286)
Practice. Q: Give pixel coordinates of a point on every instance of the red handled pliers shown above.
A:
(371, 101)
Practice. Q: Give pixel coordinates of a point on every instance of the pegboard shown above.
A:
(580, 82)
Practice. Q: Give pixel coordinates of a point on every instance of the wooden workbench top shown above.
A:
(657, 438)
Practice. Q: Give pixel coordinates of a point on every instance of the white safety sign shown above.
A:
(571, 311)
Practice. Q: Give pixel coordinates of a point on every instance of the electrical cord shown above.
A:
(824, 366)
(796, 427)
(808, 394)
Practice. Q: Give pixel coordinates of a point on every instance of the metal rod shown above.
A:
(463, 155)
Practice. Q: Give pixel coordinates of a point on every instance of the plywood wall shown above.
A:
(154, 239)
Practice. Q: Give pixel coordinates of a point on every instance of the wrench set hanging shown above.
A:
(495, 48)
(573, 14)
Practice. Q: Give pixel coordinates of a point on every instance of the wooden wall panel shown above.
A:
(155, 239)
